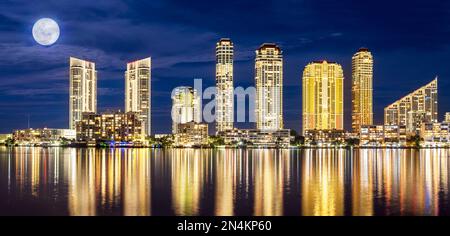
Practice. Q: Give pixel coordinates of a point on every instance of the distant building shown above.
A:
(224, 85)
(138, 92)
(420, 106)
(191, 134)
(257, 138)
(185, 107)
(324, 136)
(5, 137)
(159, 136)
(110, 126)
(435, 134)
(323, 96)
(362, 89)
(447, 117)
(83, 89)
(269, 87)
(42, 136)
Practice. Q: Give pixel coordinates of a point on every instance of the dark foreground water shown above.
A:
(68, 181)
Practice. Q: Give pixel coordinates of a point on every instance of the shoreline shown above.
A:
(226, 148)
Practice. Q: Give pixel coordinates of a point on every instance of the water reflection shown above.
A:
(65, 181)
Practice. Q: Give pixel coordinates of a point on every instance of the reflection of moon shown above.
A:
(46, 31)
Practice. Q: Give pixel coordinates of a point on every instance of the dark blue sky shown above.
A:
(410, 41)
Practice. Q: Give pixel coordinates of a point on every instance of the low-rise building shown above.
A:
(4, 138)
(110, 126)
(395, 134)
(324, 137)
(371, 134)
(43, 136)
(191, 134)
(435, 134)
(382, 135)
(257, 138)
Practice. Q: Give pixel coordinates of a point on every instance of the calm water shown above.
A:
(67, 181)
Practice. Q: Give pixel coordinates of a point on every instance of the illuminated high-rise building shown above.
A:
(362, 90)
(138, 91)
(323, 96)
(185, 107)
(269, 87)
(83, 89)
(224, 85)
(420, 106)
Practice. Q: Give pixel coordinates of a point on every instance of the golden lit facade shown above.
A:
(43, 136)
(257, 138)
(224, 85)
(269, 87)
(323, 96)
(4, 138)
(185, 107)
(110, 126)
(362, 89)
(414, 109)
(83, 89)
(138, 91)
(191, 134)
(435, 134)
(382, 135)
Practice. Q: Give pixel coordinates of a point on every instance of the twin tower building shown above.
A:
(323, 90)
(83, 91)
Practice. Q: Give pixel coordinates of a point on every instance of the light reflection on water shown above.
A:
(68, 181)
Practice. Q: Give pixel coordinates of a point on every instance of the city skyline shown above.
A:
(321, 111)
(403, 63)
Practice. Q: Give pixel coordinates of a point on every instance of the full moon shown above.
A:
(46, 31)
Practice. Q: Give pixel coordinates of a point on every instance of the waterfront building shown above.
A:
(420, 106)
(269, 87)
(371, 135)
(324, 136)
(224, 85)
(191, 134)
(257, 138)
(159, 136)
(362, 89)
(375, 135)
(138, 92)
(110, 126)
(83, 89)
(185, 107)
(447, 117)
(4, 138)
(323, 96)
(44, 136)
(435, 134)
(395, 134)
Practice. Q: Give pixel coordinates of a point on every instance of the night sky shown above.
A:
(410, 41)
